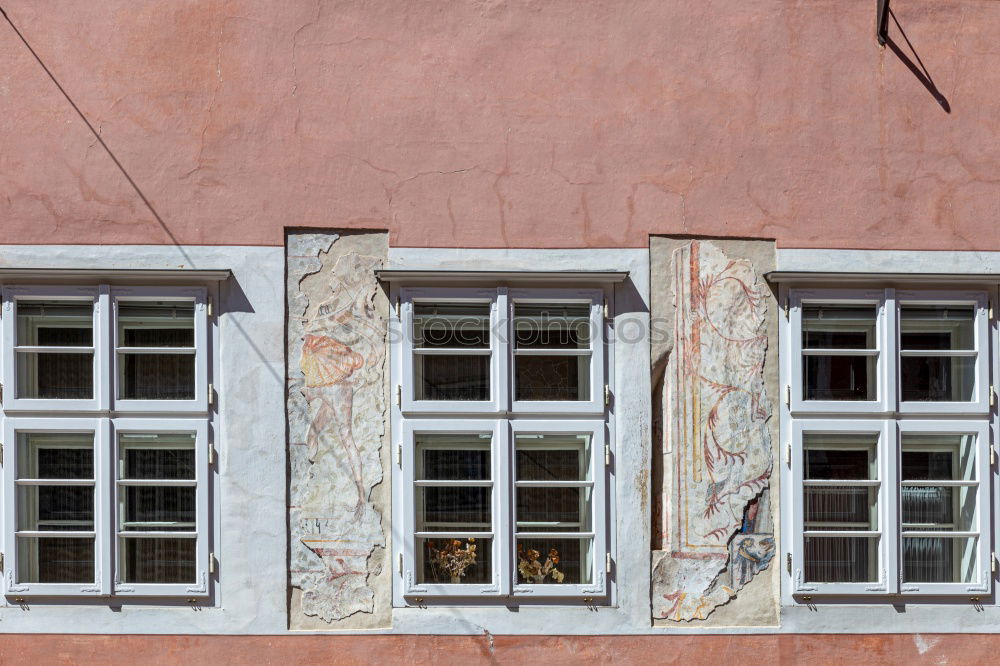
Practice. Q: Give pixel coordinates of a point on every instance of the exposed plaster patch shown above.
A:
(717, 449)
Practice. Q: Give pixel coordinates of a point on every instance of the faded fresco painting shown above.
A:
(336, 422)
(717, 450)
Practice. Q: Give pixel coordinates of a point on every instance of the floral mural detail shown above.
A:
(336, 424)
(717, 448)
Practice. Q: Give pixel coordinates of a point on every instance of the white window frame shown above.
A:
(891, 418)
(593, 297)
(100, 428)
(196, 295)
(498, 368)
(503, 417)
(199, 427)
(885, 390)
(980, 404)
(98, 297)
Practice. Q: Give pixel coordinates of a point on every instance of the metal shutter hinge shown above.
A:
(788, 562)
(788, 395)
(607, 395)
(788, 454)
(1, 562)
(993, 397)
(400, 564)
(991, 309)
(993, 455)
(397, 307)
(607, 563)
(606, 309)
(399, 395)
(209, 307)
(993, 562)
(607, 455)
(399, 455)
(211, 455)
(211, 564)
(211, 395)
(785, 307)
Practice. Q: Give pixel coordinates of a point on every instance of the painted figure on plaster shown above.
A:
(717, 444)
(343, 353)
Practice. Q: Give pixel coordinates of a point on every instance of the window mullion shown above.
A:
(103, 348)
(890, 460)
(503, 496)
(104, 493)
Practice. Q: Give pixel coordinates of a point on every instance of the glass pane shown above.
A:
(938, 457)
(158, 508)
(156, 376)
(453, 561)
(553, 509)
(55, 455)
(454, 509)
(451, 325)
(841, 508)
(55, 560)
(155, 324)
(448, 457)
(55, 508)
(937, 378)
(841, 559)
(552, 326)
(937, 327)
(55, 323)
(552, 457)
(451, 377)
(939, 509)
(554, 561)
(43, 376)
(837, 457)
(838, 377)
(939, 560)
(154, 560)
(839, 326)
(552, 377)
(157, 456)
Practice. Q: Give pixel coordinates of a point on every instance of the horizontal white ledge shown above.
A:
(114, 274)
(397, 275)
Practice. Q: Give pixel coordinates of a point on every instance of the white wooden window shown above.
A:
(98, 503)
(501, 444)
(888, 417)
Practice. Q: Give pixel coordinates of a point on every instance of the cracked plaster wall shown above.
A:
(729, 601)
(338, 457)
(494, 123)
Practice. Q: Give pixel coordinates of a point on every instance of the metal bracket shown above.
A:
(882, 21)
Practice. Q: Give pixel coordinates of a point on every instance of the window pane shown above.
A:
(841, 559)
(55, 376)
(552, 457)
(156, 324)
(552, 326)
(552, 377)
(157, 456)
(937, 327)
(55, 508)
(554, 561)
(836, 457)
(938, 457)
(47, 323)
(55, 455)
(841, 508)
(158, 508)
(451, 377)
(937, 378)
(553, 509)
(839, 326)
(454, 509)
(55, 560)
(838, 377)
(939, 560)
(452, 561)
(156, 376)
(448, 457)
(939, 509)
(451, 325)
(158, 560)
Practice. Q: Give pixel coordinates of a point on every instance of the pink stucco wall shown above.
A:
(530, 123)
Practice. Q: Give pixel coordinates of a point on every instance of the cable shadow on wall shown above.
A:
(918, 68)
